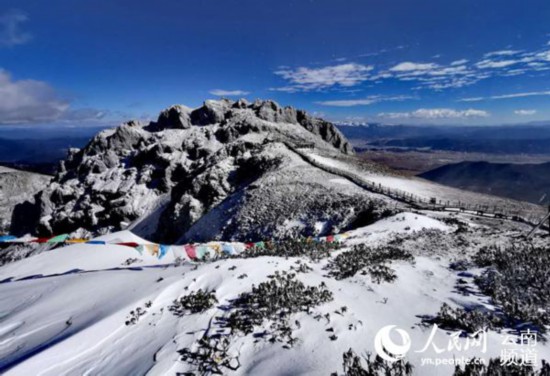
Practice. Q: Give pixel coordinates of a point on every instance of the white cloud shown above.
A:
(32, 101)
(490, 64)
(285, 89)
(525, 112)
(544, 56)
(10, 29)
(363, 101)
(424, 75)
(471, 99)
(507, 96)
(228, 93)
(410, 66)
(28, 101)
(307, 79)
(435, 113)
(502, 53)
(459, 62)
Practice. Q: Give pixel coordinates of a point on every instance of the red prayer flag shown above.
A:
(129, 244)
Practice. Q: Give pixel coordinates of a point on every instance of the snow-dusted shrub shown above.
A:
(496, 368)
(517, 279)
(274, 300)
(469, 321)
(211, 356)
(370, 261)
(196, 302)
(353, 366)
(460, 265)
(134, 316)
(461, 226)
(301, 267)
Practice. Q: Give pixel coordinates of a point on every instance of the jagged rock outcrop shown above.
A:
(175, 117)
(17, 186)
(225, 169)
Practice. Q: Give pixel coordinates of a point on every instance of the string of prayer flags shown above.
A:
(210, 251)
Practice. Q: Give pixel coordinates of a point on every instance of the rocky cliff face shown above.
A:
(224, 170)
(17, 186)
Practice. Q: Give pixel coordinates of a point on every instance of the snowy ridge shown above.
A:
(419, 192)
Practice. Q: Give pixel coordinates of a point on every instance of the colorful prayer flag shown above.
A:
(228, 248)
(191, 251)
(58, 239)
(128, 244)
(216, 247)
(140, 248)
(152, 248)
(76, 240)
(201, 251)
(7, 238)
(178, 251)
(163, 250)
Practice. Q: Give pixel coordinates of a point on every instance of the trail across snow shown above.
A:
(63, 312)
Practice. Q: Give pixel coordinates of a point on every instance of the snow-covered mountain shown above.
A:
(222, 170)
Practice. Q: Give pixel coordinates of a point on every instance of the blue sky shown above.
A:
(67, 63)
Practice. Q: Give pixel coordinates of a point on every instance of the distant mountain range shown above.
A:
(39, 149)
(509, 139)
(526, 182)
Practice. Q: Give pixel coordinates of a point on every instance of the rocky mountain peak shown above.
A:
(164, 178)
(224, 110)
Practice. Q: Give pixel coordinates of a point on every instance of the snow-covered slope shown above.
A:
(64, 312)
(424, 189)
